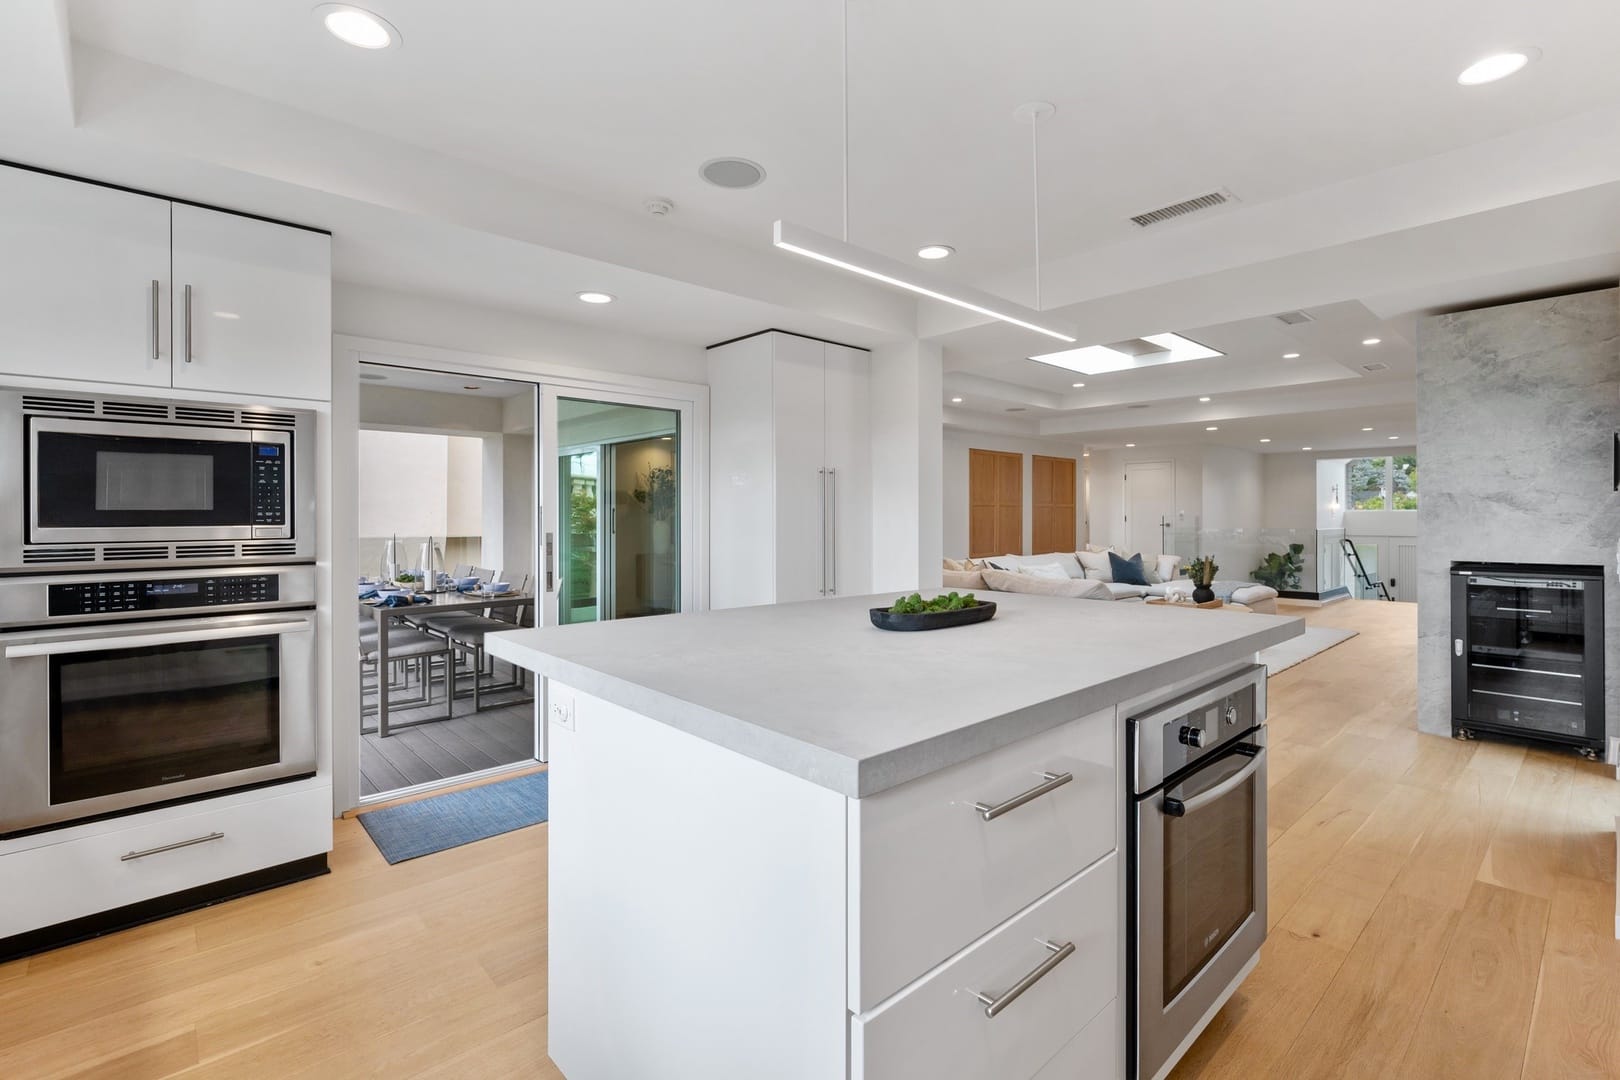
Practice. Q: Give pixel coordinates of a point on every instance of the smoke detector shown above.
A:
(658, 207)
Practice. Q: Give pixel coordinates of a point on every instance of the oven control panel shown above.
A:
(269, 484)
(135, 594)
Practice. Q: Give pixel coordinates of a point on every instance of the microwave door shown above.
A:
(90, 481)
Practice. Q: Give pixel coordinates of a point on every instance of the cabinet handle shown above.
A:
(823, 473)
(193, 842)
(188, 324)
(994, 1005)
(833, 543)
(155, 317)
(1050, 781)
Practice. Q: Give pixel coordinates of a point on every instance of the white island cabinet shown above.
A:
(786, 844)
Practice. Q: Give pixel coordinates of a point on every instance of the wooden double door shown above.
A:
(996, 503)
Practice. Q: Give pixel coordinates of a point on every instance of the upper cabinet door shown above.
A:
(84, 273)
(252, 305)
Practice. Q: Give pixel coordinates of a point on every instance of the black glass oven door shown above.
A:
(132, 719)
(106, 481)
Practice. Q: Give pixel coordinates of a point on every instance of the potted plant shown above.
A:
(1201, 572)
(1281, 570)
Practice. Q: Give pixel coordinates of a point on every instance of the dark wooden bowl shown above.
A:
(884, 619)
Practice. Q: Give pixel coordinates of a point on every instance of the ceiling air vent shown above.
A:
(1180, 209)
(143, 409)
(57, 405)
(1375, 367)
(201, 415)
(1293, 318)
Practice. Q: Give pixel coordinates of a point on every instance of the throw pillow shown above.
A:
(1096, 563)
(1049, 571)
(964, 579)
(1008, 563)
(1000, 581)
(1127, 571)
(1169, 568)
(954, 564)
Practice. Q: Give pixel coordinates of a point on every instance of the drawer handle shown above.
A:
(1060, 953)
(193, 842)
(1050, 781)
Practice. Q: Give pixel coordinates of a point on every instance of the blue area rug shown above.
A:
(446, 821)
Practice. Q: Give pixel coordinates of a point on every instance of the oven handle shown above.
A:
(1183, 807)
(138, 641)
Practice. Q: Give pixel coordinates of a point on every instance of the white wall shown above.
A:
(403, 482)
(464, 488)
(955, 493)
(428, 320)
(1289, 491)
(907, 474)
(1108, 484)
(1233, 489)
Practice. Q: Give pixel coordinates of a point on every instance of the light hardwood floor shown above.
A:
(1439, 910)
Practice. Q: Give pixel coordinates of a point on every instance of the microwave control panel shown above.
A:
(100, 597)
(269, 484)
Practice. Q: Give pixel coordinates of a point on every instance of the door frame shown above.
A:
(1125, 503)
(340, 680)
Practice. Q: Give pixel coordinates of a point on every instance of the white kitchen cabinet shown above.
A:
(84, 273)
(104, 285)
(252, 304)
(790, 461)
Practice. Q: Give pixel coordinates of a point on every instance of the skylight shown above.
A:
(1149, 351)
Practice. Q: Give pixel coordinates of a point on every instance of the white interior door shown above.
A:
(1150, 506)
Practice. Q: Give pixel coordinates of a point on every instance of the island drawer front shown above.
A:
(928, 874)
(938, 1027)
(103, 871)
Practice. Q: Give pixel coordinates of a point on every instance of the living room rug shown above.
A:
(413, 829)
(1316, 639)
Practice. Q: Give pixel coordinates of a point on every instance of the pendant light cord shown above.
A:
(844, 73)
(1035, 175)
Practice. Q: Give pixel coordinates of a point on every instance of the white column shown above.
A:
(907, 455)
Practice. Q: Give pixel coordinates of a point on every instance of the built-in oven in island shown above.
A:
(1197, 889)
(94, 480)
(120, 693)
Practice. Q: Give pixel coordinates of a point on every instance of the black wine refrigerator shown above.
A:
(1527, 653)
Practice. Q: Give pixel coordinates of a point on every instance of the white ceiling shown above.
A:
(502, 155)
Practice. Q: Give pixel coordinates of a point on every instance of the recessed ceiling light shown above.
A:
(1305, 448)
(935, 251)
(1204, 399)
(1496, 66)
(665, 438)
(956, 401)
(1077, 385)
(596, 297)
(1265, 440)
(358, 27)
(732, 172)
(1371, 340)
(1366, 429)
(1212, 427)
(1290, 356)
(1130, 446)
(1085, 453)
(1393, 437)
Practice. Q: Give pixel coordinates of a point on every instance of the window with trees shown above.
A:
(1382, 483)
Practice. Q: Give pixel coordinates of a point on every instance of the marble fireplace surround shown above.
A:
(1518, 406)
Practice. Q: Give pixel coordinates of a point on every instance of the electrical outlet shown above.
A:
(562, 710)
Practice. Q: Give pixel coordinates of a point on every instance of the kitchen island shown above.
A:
(786, 844)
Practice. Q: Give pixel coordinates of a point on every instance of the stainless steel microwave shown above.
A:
(89, 480)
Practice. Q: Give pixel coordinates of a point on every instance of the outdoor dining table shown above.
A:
(436, 603)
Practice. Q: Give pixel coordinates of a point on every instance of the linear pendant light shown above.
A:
(845, 256)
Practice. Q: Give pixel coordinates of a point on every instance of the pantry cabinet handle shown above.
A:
(1050, 781)
(833, 546)
(994, 1005)
(823, 474)
(188, 324)
(193, 842)
(155, 318)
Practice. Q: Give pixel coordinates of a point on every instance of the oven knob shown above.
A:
(1192, 736)
(1231, 715)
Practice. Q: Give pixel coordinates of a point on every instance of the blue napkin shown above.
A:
(402, 601)
(367, 591)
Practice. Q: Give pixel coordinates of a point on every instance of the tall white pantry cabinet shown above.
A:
(790, 487)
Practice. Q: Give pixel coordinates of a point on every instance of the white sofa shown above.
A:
(1088, 575)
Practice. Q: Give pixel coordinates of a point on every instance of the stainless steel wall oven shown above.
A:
(1197, 889)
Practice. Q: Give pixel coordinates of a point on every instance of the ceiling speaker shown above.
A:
(729, 172)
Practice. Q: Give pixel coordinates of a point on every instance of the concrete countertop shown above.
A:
(815, 690)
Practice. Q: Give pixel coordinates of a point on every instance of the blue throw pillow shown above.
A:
(1127, 571)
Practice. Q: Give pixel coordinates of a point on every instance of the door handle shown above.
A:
(188, 324)
(155, 318)
(551, 577)
(1060, 951)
